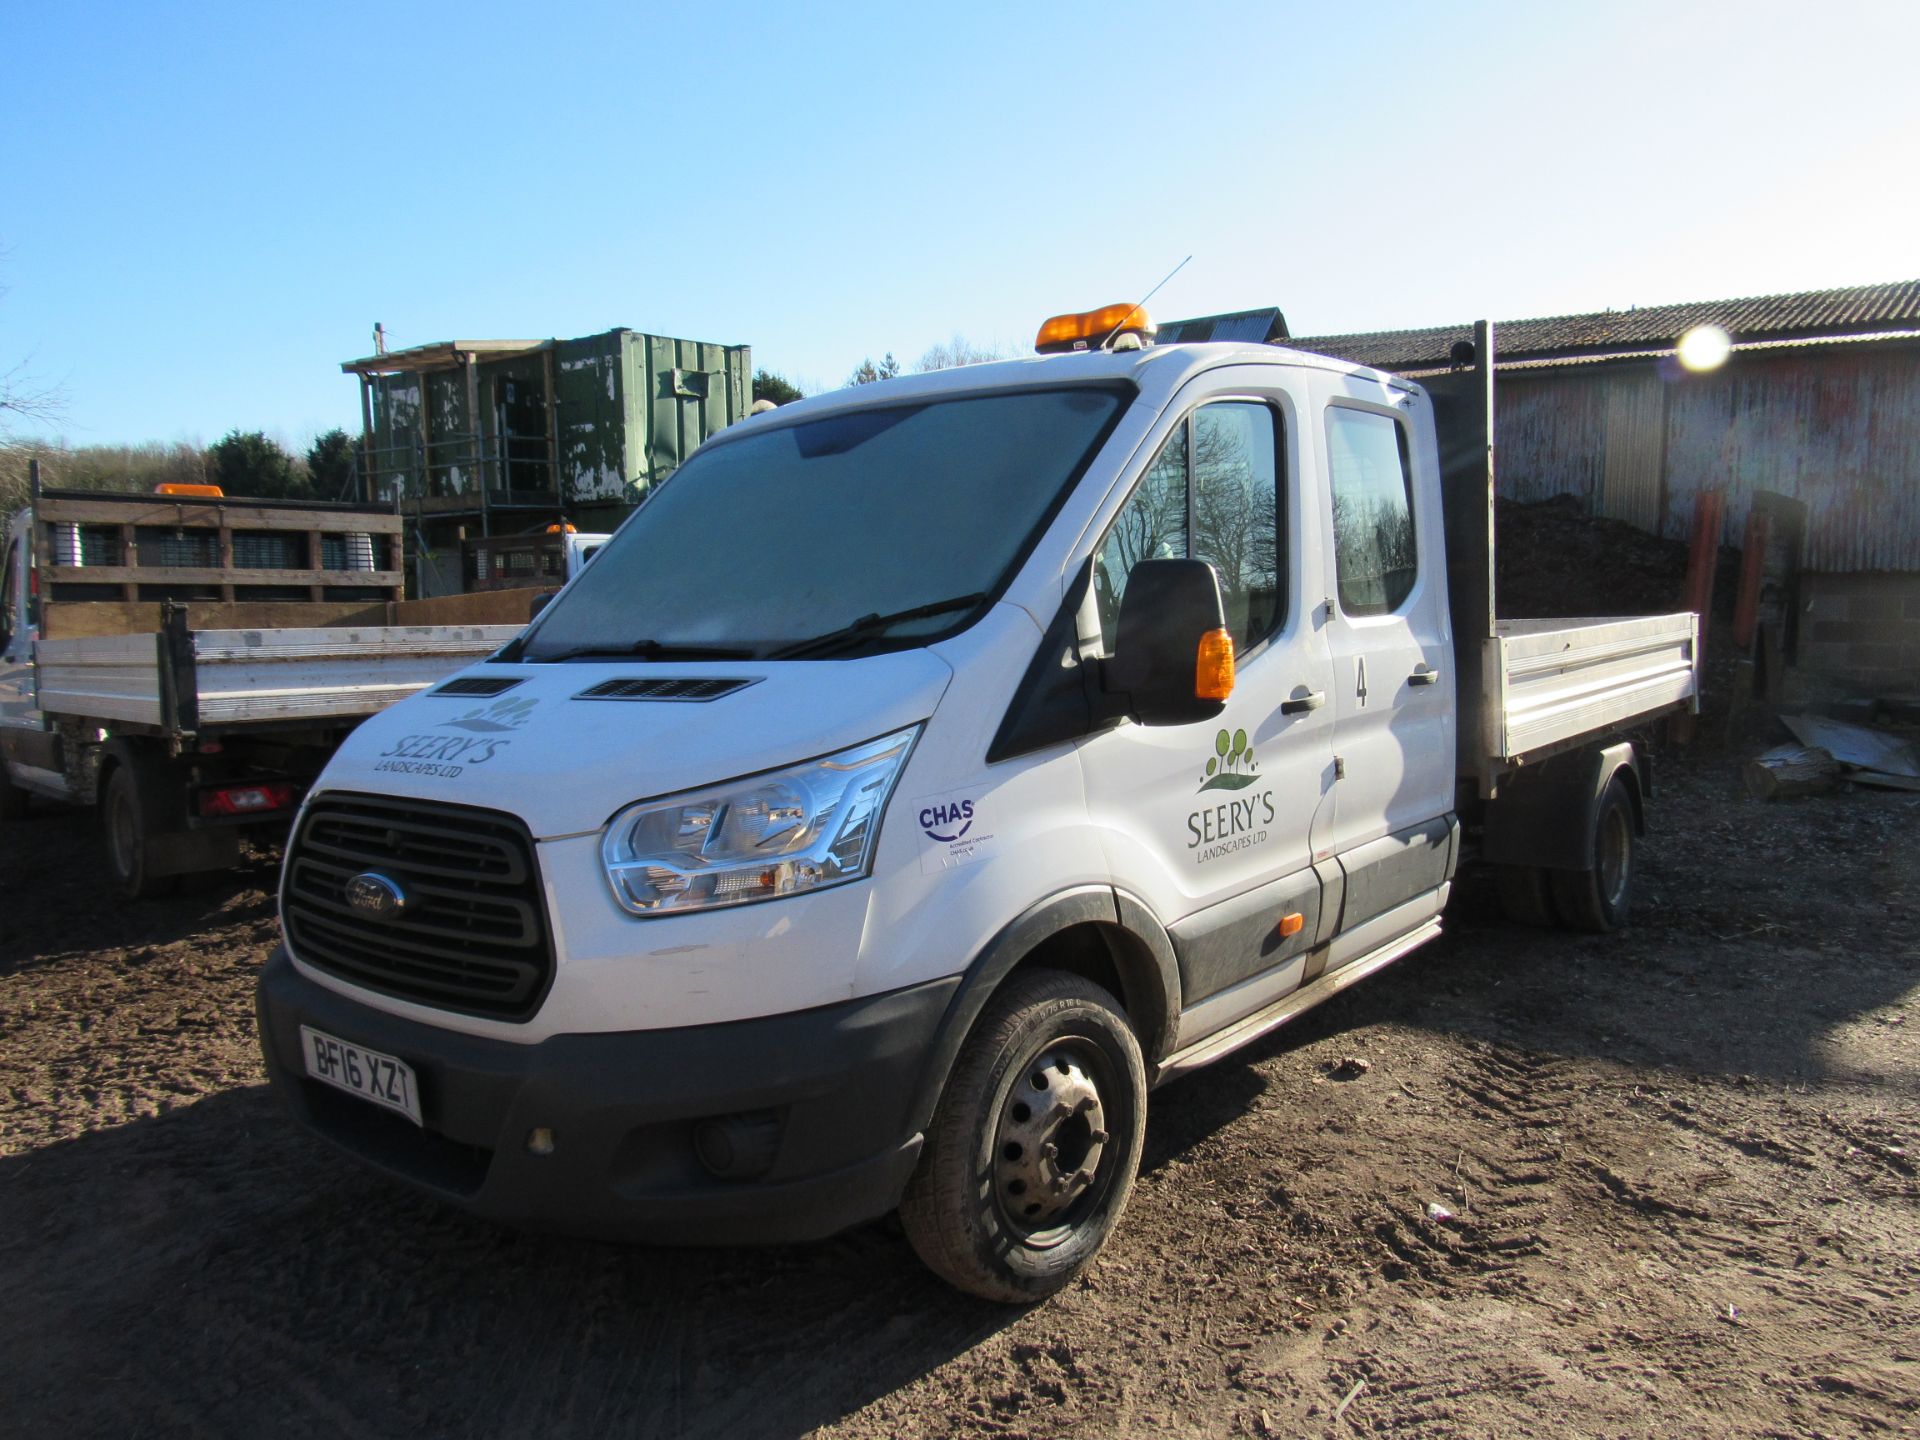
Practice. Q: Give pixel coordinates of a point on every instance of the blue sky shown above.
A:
(205, 208)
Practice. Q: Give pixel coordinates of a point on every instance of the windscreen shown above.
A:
(860, 531)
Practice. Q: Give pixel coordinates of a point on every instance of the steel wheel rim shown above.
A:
(1054, 1146)
(1615, 848)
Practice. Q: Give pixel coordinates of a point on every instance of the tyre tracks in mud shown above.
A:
(1691, 1239)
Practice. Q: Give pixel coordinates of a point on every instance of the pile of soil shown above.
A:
(1553, 560)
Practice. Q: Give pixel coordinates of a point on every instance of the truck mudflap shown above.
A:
(772, 1130)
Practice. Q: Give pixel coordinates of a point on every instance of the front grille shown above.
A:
(652, 689)
(472, 935)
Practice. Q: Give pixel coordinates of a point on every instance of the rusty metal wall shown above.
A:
(1551, 436)
(1631, 487)
(1839, 430)
(1836, 428)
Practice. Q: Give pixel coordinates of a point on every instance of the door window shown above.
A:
(1213, 494)
(1375, 563)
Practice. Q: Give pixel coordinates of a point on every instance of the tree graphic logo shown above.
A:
(1232, 766)
(500, 716)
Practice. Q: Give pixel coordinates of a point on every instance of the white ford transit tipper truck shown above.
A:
(924, 773)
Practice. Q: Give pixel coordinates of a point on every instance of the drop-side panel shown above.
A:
(243, 676)
(257, 675)
(1555, 681)
(100, 677)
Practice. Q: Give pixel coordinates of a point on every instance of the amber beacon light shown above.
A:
(1089, 329)
(1213, 666)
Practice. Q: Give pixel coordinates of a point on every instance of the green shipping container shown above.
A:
(577, 429)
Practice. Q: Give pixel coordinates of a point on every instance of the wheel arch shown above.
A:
(1092, 931)
(1546, 816)
(165, 803)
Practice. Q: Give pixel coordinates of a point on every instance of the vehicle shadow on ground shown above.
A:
(236, 1277)
(1650, 995)
(56, 902)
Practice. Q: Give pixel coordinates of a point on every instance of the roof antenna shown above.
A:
(1141, 303)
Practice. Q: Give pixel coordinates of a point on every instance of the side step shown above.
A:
(1297, 1002)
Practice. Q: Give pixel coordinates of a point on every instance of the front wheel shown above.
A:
(1035, 1143)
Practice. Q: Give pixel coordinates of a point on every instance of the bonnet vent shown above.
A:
(664, 689)
(479, 685)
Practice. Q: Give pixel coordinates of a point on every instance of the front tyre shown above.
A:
(1035, 1143)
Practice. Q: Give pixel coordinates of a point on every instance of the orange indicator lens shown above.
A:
(1213, 666)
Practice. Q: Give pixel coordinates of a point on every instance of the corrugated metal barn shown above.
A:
(1818, 401)
(491, 437)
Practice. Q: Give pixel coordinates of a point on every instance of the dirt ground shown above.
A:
(1677, 1166)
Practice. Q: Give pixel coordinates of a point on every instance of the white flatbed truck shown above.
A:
(188, 662)
(928, 770)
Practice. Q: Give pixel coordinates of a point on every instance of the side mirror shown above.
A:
(1172, 661)
(539, 603)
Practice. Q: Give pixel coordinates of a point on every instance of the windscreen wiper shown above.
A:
(648, 650)
(870, 624)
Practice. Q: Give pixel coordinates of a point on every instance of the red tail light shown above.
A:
(246, 799)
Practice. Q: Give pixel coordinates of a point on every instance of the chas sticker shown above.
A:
(952, 829)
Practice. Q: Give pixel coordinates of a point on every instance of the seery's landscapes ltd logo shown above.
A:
(446, 756)
(1235, 824)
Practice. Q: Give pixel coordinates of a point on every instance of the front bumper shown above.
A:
(833, 1086)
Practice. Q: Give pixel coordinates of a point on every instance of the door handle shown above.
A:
(1300, 704)
(1424, 676)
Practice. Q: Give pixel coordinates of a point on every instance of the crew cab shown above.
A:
(927, 771)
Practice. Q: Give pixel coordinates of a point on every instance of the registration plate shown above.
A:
(363, 1072)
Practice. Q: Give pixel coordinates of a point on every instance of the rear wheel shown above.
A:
(128, 823)
(1596, 900)
(1035, 1143)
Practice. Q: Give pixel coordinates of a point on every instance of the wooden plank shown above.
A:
(489, 607)
(196, 575)
(42, 556)
(149, 510)
(80, 619)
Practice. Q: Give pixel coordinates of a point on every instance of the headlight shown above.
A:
(781, 833)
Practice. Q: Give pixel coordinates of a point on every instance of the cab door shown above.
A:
(1390, 825)
(1211, 824)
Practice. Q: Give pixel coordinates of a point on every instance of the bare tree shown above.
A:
(25, 400)
(947, 355)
